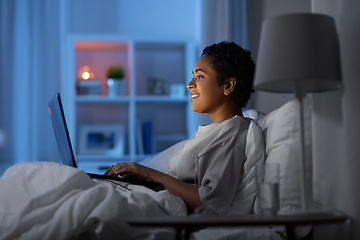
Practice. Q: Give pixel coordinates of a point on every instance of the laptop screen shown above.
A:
(61, 131)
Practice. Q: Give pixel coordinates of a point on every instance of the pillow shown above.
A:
(282, 136)
(253, 113)
(160, 161)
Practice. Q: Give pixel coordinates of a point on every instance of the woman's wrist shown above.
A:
(159, 177)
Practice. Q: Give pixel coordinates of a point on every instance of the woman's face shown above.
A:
(207, 95)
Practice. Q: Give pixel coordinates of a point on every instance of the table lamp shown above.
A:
(299, 53)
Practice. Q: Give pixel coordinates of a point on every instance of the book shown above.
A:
(89, 87)
(147, 137)
(139, 138)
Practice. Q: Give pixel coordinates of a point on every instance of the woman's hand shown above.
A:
(187, 192)
(131, 170)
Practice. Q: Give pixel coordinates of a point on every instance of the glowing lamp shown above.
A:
(86, 74)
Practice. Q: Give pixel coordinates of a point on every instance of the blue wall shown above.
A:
(135, 17)
(32, 36)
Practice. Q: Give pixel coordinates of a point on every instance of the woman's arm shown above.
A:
(187, 192)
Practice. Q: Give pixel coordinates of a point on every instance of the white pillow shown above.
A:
(253, 113)
(282, 137)
(160, 161)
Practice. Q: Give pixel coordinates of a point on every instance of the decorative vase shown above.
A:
(116, 87)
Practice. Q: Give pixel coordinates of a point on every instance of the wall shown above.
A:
(336, 131)
(135, 18)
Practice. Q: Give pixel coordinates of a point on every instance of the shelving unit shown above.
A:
(171, 118)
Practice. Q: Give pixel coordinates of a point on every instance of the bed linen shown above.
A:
(44, 200)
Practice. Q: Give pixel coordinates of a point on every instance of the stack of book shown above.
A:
(89, 87)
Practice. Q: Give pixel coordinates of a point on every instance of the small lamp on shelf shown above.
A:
(116, 82)
(85, 74)
(87, 85)
(299, 53)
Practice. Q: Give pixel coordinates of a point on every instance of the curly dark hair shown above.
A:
(230, 60)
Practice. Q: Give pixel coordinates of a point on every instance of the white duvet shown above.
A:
(43, 200)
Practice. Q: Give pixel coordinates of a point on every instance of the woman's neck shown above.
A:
(225, 113)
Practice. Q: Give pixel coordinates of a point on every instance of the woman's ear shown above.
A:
(229, 85)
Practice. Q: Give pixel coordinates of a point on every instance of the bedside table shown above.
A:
(196, 222)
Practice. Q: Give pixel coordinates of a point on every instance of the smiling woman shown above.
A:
(203, 167)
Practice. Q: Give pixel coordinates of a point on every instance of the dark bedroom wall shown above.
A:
(336, 127)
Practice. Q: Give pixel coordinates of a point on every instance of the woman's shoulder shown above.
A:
(226, 132)
(241, 119)
(231, 126)
(237, 123)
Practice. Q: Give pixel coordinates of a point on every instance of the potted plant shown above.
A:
(116, 81)
(116, 72)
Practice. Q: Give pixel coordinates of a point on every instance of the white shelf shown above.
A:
(102, 99)
(142, 58)
(161, 99)
(122, 99)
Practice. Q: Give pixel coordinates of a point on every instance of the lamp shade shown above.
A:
(298, 50)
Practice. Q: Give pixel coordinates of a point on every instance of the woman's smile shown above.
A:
(194, 96)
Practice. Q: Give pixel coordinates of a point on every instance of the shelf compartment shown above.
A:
(162, 61)
(103, 114)
(158, 121)
(99, 56)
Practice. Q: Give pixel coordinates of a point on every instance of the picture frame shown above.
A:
(156, 86)
(102, 139)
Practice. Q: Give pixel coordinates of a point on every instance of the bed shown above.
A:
(64, 203)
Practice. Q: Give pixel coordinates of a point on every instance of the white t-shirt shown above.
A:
(220, 158)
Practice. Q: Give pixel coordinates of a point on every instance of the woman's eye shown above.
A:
(198, 77)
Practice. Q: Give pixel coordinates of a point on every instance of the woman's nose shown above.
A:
(191, 84)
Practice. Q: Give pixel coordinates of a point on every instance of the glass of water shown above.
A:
(267, 182)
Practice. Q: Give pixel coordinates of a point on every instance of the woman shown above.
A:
(214, 168)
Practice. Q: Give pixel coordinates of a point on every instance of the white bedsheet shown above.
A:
(43, 200)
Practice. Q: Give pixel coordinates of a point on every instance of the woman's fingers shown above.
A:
(108, 171)
(120, 168)
(111, 171)
(129, 170)
(124, 168)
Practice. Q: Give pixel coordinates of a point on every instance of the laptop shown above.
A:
(65, 148)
